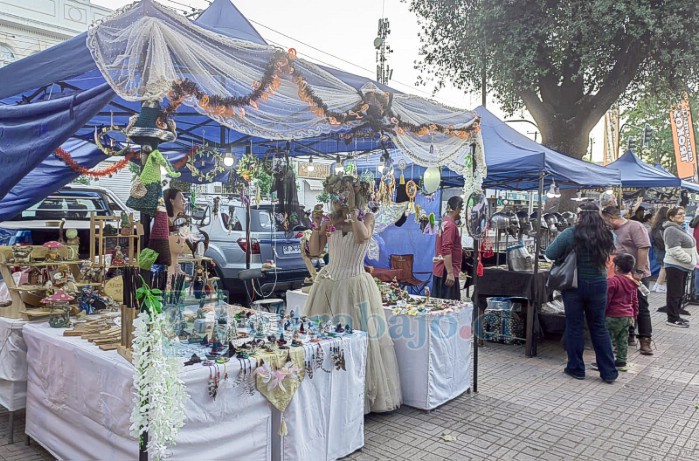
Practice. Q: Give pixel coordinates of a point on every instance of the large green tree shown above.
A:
(565, 61)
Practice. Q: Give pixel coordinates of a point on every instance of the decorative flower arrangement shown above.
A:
(159, 392)
(248, 168)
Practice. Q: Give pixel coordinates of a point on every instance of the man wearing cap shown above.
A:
(632, 238)
(448, 254)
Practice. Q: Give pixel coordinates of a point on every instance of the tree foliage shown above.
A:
(566, 61)
(654, 111)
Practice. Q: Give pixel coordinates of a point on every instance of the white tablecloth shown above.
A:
(13, 364)
(433, 351)
(79, 404)
(325, 419)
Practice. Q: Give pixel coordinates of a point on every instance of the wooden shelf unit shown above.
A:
(98, 239)
(18, 309)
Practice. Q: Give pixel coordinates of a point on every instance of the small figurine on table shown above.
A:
(87, 299)
(126, 226)
(118, 259)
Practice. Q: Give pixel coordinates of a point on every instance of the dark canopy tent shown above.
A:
(690, 186)
(636, 174)
(516, 162)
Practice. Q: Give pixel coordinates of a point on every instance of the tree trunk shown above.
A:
(569, 138)
(565, 137)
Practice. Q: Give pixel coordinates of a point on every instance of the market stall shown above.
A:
(433, 348)
(237, 423)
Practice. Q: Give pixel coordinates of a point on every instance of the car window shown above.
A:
(71, 207)
(261, 220)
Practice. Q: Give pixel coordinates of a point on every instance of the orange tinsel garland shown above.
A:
(66, 157)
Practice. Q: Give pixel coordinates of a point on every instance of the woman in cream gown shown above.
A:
(344, 291)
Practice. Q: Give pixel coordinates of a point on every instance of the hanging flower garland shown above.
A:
(159, 397)
(121, 164)
(280, 64)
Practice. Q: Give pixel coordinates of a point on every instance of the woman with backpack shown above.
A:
(658, 243)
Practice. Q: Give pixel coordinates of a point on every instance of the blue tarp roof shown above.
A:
(690, 186)
(515, 161)
(635, 173)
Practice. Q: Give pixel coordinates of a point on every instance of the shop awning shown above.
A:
(314, 184)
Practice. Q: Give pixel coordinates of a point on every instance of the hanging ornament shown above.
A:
(202, 156)
(411, 192)
(431, 179)
(402, 166)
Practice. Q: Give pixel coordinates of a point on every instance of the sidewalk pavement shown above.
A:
(526, 409)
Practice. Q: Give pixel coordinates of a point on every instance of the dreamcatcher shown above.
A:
(387, 187)
(200, 159)
(103, 132)
(411, 191)
(402, 166)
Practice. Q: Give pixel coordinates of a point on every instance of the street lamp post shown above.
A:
(522, 120)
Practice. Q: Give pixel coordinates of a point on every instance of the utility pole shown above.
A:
(384, 73)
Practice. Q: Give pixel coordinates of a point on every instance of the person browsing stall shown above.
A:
(593, 244)
(632, 238)
(448, 254)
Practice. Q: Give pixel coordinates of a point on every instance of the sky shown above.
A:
(341, 34)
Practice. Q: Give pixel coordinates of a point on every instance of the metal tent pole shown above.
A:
(475, 327)
(534, 305)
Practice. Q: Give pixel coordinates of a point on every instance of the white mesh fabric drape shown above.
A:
(145, 49)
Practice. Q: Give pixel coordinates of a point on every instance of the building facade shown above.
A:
(31, 26)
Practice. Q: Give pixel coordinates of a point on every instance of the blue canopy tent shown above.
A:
(690, 186)
(636, 174)
(73, 72)
(517, 162)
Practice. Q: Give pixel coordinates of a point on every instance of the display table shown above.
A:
(13, 368)
(433, 352)
(325, 419)
(79, 401)
(501, 282)
(13, 364)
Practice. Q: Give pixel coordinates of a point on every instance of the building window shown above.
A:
(6, 54)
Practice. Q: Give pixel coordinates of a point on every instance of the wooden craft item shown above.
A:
(114, 288)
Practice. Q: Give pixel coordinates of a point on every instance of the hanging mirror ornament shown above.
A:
(411, 192)
(431, 179)
(402, 166)
(477, 215)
